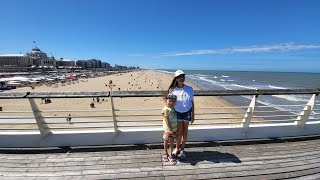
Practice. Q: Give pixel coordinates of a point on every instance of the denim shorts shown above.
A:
(186, 116)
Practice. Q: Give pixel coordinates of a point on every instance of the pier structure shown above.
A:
(252, 142)
(144, 125)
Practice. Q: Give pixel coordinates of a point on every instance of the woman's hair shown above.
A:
(172, 85)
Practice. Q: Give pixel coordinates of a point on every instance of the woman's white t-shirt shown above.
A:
(184, 98)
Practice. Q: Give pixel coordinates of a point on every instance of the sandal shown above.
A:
(165, 157)
(172, 160)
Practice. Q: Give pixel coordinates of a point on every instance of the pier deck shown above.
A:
(296, 157)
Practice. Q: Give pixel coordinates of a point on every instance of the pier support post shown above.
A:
(247, 117)
(42, 126)
(305, 113)
(115, 124)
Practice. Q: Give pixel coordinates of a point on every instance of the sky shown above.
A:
(239, 35)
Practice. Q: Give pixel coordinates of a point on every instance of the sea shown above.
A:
(241, 80)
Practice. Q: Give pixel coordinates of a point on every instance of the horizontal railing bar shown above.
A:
(217, 118)
(218, 113)
(17, 117)
(214, 123)
(18, 129)
(274, 116)
(80, 122)
(282, 105)
(3, 112)
(277, 119)
(315, 113)
(100, 110)
(13, 124)
(147, 109)
(273, 121)
(144, 125)
(233, 107)
(84, 127)
(12, 95)
(276, 111)
(145, 120)
(54, 117)
(314, 120)
(138, 115)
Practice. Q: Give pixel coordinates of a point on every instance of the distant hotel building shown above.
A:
(37, 58)
(20, 60)
(92, 63)
(65, 62)
(40, 58)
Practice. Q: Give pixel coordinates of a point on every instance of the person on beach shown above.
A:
(69, 118)
(170, 127)
(184, 109)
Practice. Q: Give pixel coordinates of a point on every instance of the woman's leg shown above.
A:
(180, 132)
(184, 139)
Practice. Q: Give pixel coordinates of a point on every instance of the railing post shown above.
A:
(42, 126)
(247, 117)
(305, 113)
(115, 124)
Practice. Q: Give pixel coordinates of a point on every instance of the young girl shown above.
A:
(170, 127)
(184, 108)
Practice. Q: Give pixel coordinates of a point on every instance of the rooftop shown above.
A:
(15, 55)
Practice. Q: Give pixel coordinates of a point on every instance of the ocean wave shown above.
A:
(291, 98)
(164, 71)
(224, 76)
(276, 87)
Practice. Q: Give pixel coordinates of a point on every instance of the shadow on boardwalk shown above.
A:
(194, 157)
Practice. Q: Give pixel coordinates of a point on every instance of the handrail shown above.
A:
(121, 123)
(125, 94)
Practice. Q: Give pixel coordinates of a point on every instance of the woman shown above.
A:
(184, 108)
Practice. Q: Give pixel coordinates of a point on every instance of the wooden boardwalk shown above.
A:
(296, 158)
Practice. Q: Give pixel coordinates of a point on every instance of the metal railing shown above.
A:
(115, 119)
(123, 117)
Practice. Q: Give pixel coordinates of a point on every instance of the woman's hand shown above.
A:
(192, 119)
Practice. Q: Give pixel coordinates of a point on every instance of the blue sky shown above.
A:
(245, 35)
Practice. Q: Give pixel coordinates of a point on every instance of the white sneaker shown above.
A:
(182, 154)
(175, 153)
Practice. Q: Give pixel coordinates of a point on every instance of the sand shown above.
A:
(144, 80)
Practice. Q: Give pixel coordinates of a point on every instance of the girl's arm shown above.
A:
(166, 119)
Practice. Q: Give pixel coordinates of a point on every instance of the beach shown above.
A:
(143, 80)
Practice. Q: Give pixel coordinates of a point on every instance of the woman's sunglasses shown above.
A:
(181, 76)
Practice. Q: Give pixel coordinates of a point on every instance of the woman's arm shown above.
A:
(192, 113)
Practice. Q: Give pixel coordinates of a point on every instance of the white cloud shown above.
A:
(291, 46)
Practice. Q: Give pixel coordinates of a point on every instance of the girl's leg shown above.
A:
(180, 132)
(165, 146)
(171, 146)
(170, 158)
(165, 150)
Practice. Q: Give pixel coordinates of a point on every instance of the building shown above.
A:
(65, 62)
(15, 60)
(40, 58)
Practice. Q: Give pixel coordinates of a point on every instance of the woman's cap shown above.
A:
(170, 96)
(178, 73)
